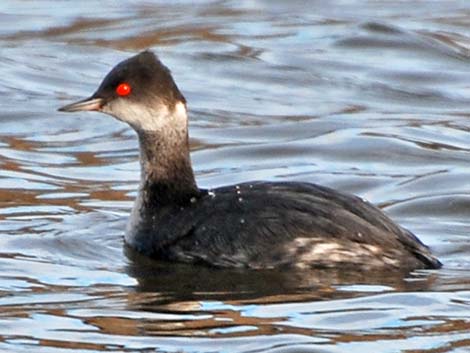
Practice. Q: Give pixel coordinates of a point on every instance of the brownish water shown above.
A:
(370, 97)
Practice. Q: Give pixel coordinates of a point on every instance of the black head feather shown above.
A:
(148, 77)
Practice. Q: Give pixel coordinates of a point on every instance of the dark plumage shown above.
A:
(254, 225)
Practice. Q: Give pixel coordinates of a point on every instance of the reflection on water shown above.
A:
(369, 97)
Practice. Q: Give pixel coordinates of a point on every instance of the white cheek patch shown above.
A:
(180, 111)
(140, 117)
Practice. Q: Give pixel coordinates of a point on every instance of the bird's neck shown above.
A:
(166, 173)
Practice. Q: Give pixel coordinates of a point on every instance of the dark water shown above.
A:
(370, 97)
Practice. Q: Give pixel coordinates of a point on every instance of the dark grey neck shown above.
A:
(166, 173)
(167, 180)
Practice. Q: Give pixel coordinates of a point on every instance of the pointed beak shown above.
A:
(87, 104)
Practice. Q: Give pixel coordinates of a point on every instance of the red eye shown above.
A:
(124, 89)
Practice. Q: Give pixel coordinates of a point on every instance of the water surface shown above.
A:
(368, 97)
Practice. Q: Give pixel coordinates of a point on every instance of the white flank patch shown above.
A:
(309, 252)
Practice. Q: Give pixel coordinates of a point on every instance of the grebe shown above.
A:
(255, 225)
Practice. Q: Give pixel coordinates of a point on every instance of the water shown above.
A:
(370, 97)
